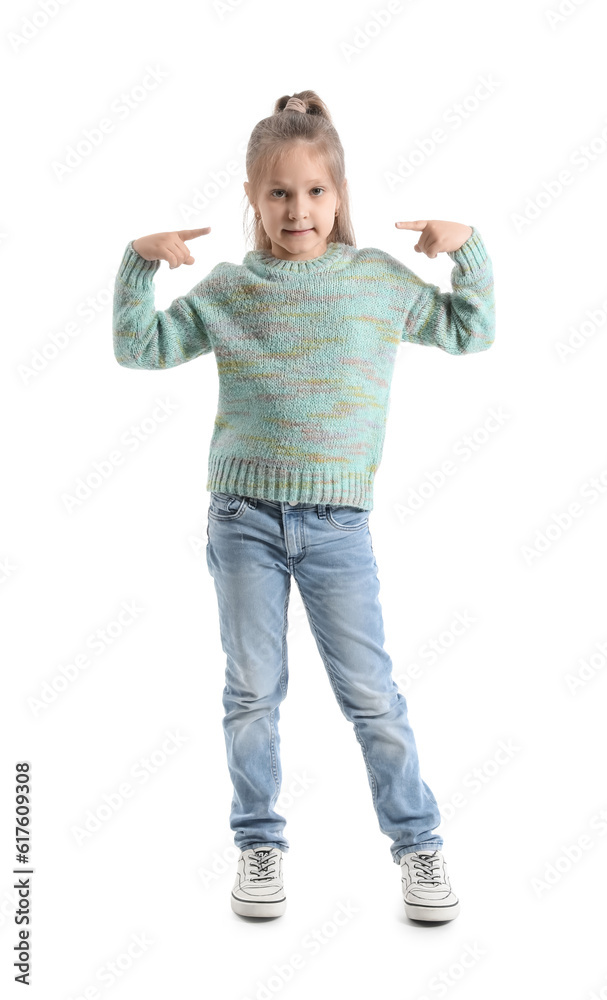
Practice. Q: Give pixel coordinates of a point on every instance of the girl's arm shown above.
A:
(461, 321)
(144, 337)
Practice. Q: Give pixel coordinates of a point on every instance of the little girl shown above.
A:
(305, 334)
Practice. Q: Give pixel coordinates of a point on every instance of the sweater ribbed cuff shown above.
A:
(471, 255)
(135, 270)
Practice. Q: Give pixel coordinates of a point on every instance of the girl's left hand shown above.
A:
(438, 236)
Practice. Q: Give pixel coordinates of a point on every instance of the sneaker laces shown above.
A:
(260, 864)
(426, 864)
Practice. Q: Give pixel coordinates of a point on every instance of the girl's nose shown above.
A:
(297, 210)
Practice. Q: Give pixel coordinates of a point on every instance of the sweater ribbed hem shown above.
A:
(327, 484)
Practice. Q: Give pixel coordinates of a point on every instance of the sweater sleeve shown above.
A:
(144, 337)
(461, 321)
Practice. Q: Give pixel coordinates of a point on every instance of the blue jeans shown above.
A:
(253, 548)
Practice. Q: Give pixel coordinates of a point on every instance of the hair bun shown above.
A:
(306, 101)
(295, 104)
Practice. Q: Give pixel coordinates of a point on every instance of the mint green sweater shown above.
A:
(305, 352)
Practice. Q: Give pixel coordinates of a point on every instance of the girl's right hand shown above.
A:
(168, 246)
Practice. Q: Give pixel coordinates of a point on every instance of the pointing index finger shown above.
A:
(190, 234)
(418, 226)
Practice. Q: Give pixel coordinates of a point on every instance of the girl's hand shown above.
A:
(438, 236)
(168, 246)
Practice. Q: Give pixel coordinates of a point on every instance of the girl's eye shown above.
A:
(281, 190)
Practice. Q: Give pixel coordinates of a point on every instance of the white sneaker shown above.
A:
(258, 890)
(426, 887)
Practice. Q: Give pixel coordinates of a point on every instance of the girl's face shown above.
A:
(297, 204)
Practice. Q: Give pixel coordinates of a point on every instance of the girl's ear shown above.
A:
(246, 186)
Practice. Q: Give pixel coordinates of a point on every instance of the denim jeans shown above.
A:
(253, 548)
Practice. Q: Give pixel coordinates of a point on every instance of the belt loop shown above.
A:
(321, 509)
(252, 502)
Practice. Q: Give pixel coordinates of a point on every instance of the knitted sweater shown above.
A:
(305, 353)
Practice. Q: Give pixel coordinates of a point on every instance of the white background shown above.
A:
(139, 535)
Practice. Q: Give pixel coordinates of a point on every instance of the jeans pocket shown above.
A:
(226, 506)
(347, 517)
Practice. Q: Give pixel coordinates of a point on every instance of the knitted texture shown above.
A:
(305, 353)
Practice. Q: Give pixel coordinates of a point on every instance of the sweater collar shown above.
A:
(263, 260)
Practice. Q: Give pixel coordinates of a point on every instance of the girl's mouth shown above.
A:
(298, 232)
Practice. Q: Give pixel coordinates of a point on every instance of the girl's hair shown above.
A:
(272, 136)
